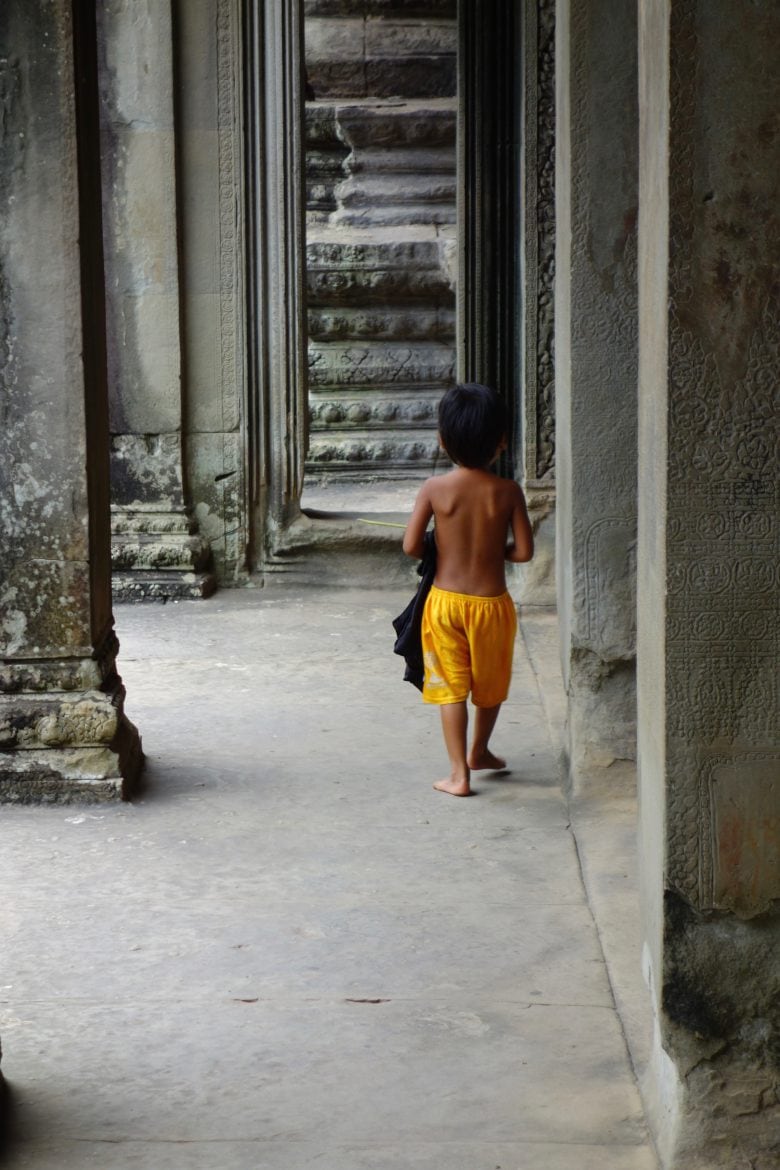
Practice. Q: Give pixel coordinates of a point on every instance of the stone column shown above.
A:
(278, 342)
(709, 740)
(63, 733)
(596, 372)
(157, 551)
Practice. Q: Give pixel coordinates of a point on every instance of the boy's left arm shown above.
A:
(522, 547)
(414, 536)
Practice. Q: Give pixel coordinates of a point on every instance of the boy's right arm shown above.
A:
(414, 537)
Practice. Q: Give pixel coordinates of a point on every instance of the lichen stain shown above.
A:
(14, 625)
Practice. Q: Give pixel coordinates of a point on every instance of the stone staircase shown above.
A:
(380, 141)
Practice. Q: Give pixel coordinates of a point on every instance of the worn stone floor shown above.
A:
(290, 952)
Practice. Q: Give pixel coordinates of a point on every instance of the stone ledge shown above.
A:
(162, 586)
(342, 549)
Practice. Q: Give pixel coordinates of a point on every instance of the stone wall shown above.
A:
(709, 634)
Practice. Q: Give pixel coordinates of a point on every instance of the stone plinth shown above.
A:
(595, 373)
(709, 538)
(63, 733)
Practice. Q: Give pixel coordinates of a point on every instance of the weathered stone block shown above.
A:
(161, 586)
(371, 274)
(334, 40)
(147, 469)
(73, 719)
(159, 551)
(389, 8)
(366, 200)
(61, 748)
(336, 79)
(395, 39)
(419, 77)
(401, 126)
(144, 363)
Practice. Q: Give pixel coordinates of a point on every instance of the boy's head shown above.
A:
(472, 424)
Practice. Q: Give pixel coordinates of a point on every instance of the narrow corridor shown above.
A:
(291, 952)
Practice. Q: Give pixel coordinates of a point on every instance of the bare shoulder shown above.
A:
(513, 493)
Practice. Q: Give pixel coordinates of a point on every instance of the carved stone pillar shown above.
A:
(156, 549)
(536, 453)
(63, 733)
(709, 635)
(277, 196)
(596, 373)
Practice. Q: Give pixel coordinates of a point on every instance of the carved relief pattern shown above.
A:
(539, 229)
(545, 221)
(230, 291)
(723, 529)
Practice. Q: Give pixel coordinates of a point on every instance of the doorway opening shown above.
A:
(381, 252)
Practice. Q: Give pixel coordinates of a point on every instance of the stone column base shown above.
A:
(61, 747)
(158, 555)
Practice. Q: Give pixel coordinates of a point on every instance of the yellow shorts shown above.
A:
(468, 644)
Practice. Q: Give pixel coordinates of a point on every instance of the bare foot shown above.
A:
(486, 761)
(455, 787)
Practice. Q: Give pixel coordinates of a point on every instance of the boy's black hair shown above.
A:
(472, 423)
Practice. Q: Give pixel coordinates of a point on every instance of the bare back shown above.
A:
(474, 512)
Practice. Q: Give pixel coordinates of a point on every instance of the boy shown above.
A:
(469, 620)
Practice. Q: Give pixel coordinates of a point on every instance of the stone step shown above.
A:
(380, 364)
(357, 57)
(136, 586)
(372, 273)
(394, 154)
(381, 323)
(389, 123)
(425, 8)
(406, 199)
(397, 410)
